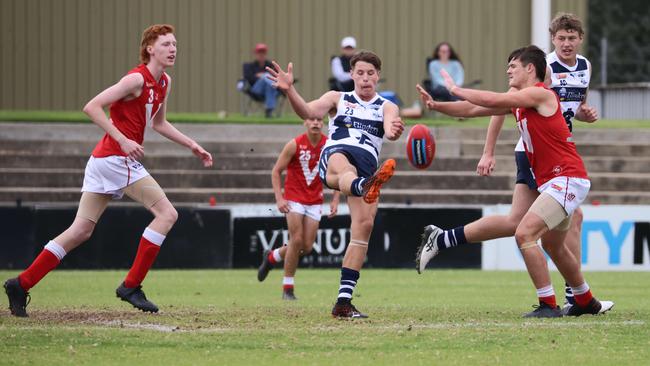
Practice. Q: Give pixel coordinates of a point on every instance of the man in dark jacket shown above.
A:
(255, 75)
(341, 65)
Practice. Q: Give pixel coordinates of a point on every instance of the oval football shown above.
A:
(420, 147)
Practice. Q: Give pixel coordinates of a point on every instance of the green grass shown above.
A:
(228, 318)
(78, 116)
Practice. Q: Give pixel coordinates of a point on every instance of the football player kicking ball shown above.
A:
(559, 172)
(301, 202)
(568, 74)
(358, 122)
(113, 170)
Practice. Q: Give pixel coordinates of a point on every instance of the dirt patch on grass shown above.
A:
(81, 316)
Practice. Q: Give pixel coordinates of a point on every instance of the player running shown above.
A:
(358, 122)
(301, 202)
(559, 173)
(113, 170)
(568, 74)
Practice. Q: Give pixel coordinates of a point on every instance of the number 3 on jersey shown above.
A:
(149, 107)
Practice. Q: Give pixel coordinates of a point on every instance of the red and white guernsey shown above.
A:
(549, 144)
(302, 184)
(131, 116)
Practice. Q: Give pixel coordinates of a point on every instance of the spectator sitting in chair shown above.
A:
(444, 57)
(341, 66)
(255, 75)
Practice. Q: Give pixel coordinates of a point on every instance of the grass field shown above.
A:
(225, 317)
(78, 116)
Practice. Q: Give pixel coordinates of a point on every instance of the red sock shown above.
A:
(271, 258)
(147, 253)
(548, 300)
(42, 265)
(583, 299)
(287, 287)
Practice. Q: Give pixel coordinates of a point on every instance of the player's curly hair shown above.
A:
(149, 36)
(567, 22)
(366, 56)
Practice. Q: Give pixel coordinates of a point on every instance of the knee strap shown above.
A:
(358, 243)
(528, 245)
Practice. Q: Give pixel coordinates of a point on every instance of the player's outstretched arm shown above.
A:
(283, 80)
(276, 174)
(541, 99)
(334, 204)
(488, 162)
(161, 125)
(128, 86)
(393, 125)
(454, 109)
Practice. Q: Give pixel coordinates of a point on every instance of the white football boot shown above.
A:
(428, 247)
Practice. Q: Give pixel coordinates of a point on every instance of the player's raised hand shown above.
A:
(283, 205)
(132, 149)
(587, 113)
(281, 79)
(200, 152)
(426, 98)
(396, 129)
(486, 165)
(449, 82)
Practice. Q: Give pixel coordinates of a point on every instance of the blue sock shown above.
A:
(349, 278)
(568, 294)
(357, 187)
(451, 238)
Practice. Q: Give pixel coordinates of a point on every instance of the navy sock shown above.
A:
(451, 238)
(357, 186)
(349, 278)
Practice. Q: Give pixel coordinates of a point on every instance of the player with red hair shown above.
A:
(138, 99)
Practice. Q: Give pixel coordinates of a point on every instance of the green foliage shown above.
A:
(626, 25)
(228, 318)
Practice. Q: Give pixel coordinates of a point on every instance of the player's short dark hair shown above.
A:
(567, 22)
(366, 56)
(531, 55)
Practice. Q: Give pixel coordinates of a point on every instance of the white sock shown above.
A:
(546, 291)
(582, 289)
(153, 236)
(276, 255)
(287, 281)
(54, 248)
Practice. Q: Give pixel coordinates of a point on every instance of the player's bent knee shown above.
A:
(307, 249)
(170, 215)
(522, 237)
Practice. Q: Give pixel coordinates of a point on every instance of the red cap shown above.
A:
(261, 47)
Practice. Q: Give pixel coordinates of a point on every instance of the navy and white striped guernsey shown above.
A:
(569, 83)
(358, 123)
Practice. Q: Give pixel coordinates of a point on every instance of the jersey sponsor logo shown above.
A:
(557, 187)
(350, 105)
(561, 76)
(366, 128)
(149, 85)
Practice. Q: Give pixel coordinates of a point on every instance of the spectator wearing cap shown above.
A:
(341, 65)
(255, 75)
